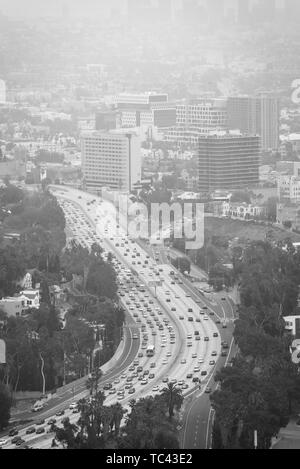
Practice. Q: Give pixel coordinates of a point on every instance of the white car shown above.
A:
(3, 442)
(201, 360)
(73, 406)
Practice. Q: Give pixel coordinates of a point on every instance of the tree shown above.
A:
(5, 405)
(173, 397)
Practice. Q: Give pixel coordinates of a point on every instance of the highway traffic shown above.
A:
(173, 334)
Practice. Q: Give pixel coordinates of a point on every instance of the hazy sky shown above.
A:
(36, 8)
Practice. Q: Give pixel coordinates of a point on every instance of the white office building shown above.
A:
(2, 92)
(111, 159)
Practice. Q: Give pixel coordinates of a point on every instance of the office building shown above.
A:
(2, 92)
(216, 12)
(292, 10)
(228, 161)
(257, 115)
(107, 120)
(145, 110)
(111, 159)
(198, 117)
(243, 12)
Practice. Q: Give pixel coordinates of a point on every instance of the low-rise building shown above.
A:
(18, 305)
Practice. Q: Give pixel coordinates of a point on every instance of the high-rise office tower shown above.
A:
(258, 115)
(216, 12)
(2, 92)
(111, 159)
(243, 12)
(264, 11)
(227, 161)
(292, 10)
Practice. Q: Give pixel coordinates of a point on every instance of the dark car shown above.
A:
(224, 354)
(52, 422)
(15, 440)
(20, 442)
(216, 334)
(208, 390)
(13, 432)
(41, 422)
(40, 431)
(203, 373)
(30, 430)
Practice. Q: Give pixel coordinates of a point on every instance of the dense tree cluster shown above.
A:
(149, 424)
(260, 389)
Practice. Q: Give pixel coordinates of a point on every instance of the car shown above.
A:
(215, 334)
(224, 326)
(73, 406)
(223, 298)
(131, 391)
(190, 310)
(155, 389)
(224, 353)
(190, 319)
(15, 440)
(20, 442)
(75, 411)
(225, 345)
(212, 362)
(208, 390)
(112, 391)
(144, 382)
(200, 360)
(165, 361)
(214, 354)
(203, 373)
(40, 422)
(3, 442)
(198, 320)
(52, 422)
(60, 413)
(30, 430)
(183, 361)
(13, 432)
(189, 344)
(206, 339)
(205, 318)
(195, 379)
(40, 431)
(151, 376)
(189, 376)
(152, 365)
(196, 369)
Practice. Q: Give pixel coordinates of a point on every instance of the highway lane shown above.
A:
(196, 432)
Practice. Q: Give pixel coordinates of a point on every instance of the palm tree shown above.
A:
(118, 413)
(92, 383)
(172, 397)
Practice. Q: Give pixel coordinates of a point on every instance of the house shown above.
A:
(19, 305)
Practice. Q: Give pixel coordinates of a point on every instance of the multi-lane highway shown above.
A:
(173, 333)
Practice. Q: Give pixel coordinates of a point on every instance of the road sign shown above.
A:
(2, 352)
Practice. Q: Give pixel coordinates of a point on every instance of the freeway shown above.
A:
(163, 310)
